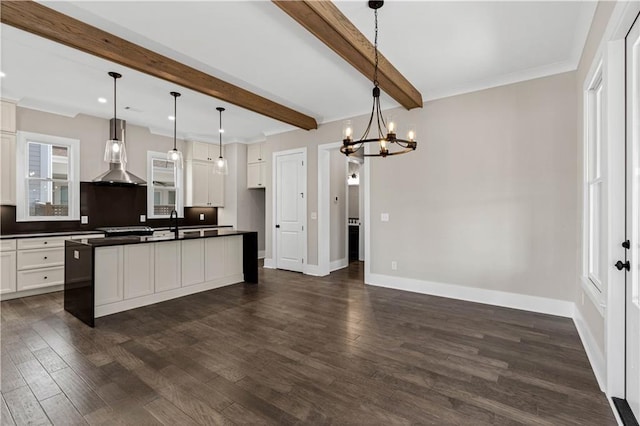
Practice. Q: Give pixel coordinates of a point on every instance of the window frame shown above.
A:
(73, 179)
(179, 188)
(595, 133)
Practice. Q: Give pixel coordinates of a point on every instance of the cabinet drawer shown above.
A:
(42, 258)
(37, 243)
(7, 245)
(36, 278)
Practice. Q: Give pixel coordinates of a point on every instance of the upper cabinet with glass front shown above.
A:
(164, 186)
(47, 178)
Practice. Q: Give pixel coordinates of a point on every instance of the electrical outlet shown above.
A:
(201, 216)
(76, 254)
(84, 220)
(394, 265)
(384, 217)
(143, 218)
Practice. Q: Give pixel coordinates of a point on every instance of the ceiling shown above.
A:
(443, 48)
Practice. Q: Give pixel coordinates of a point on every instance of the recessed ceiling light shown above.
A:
(171, 117)
(102, 100)
(2, 74)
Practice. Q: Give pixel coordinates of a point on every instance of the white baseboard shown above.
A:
(261, 254)
(524, 302)
(596, 358)
(338, 264)
(269, 263)
(33, 292)
(311, 270)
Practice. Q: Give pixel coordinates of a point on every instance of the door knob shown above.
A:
(626, 244)
(620, 265)
(277, 226)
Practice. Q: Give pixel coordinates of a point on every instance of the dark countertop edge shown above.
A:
(122, 241)
(65, 233)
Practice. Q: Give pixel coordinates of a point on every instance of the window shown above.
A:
(48, 178)
(164, 186)
(595, 256)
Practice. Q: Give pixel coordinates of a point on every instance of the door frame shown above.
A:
(611, 53)
(274, 211)
(324, 209)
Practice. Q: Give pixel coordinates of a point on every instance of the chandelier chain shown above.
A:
(375, 44)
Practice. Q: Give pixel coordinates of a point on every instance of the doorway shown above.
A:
(290, 209)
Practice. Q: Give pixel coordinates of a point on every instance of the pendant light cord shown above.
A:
(115, 94)
(375, 44)
(175, 119)
(220, 132)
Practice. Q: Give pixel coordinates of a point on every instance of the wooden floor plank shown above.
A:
(296, 349)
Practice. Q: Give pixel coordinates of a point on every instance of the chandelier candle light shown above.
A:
(220, 166)
(173, 154)
(388, 142)
(114, 150)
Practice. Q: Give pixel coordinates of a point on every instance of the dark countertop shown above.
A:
(119, 241)
(49, 234)
(65, 233)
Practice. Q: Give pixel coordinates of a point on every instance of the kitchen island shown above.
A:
(103, 276)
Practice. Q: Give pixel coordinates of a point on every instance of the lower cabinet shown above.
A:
(168, 261)
(7, 272)
(139, 270)
(192, 261)
(108, 273)
(214, 249)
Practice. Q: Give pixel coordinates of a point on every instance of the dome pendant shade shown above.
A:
(174, 155)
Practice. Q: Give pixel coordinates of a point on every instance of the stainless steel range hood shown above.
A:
(117, 174)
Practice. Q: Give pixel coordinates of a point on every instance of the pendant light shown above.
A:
(220, 165)
(385, 137)
(114, 150)
(173, 154)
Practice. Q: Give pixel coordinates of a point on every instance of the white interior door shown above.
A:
(291, 209)
(633, 221)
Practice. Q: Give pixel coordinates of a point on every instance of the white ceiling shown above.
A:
(443, 48)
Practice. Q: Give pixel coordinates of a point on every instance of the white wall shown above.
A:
(354, 200)
(488, 200)
(337, 205)
(93, 132)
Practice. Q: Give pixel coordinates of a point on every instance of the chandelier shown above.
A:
(389, 143)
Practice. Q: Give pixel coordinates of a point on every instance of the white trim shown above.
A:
(150, 299)
(338, 264)
(22, 206)
(596, 358)
(524, 302)
(31, 292)
(312, 270)
(269, 263)
(261, 254)
(274, 242)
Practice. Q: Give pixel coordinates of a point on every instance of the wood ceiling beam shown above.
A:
(45, 22)
(324, 20)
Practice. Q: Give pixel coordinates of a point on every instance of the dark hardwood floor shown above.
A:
(296, 350)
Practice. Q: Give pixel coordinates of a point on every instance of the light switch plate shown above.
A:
(384, 217)
(143, 218)
(314, 215)
(84, 220)
(201, 216)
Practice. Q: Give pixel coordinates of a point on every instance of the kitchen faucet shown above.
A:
(173, 222)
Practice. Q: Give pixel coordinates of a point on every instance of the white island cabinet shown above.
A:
(168, 270)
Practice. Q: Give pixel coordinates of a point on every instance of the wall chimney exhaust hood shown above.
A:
(117, 174)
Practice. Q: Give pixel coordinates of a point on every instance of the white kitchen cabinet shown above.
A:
(214, 253)
(7, 116)
(109, 277)
(202, 151)
(7, 272)
(7, 168)
(167, 266)
(192, 261)
(139, 270)
(204, 188)
(254, 153)
(40, 258)
(256, 175)
(38, 278)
